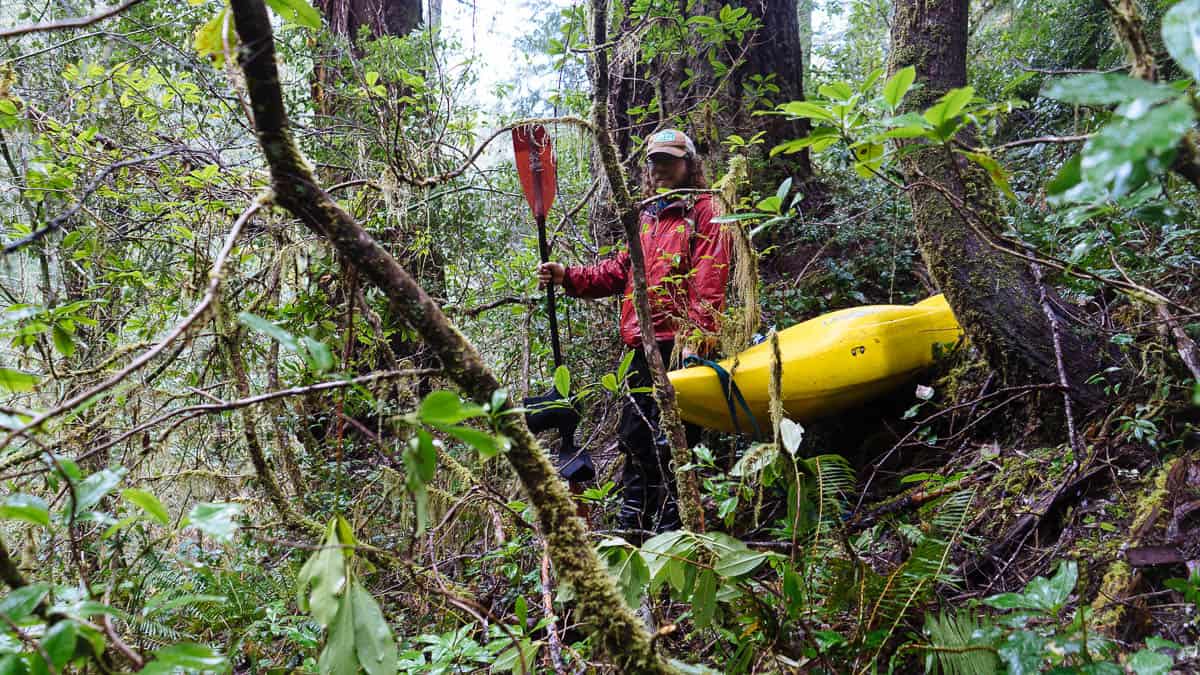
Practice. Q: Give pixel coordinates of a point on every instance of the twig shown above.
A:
(58, 220)
(1036, 141)
(1020, 390)
(78, 22)
(470, 160)
(506, 300)
(1076, 446)
(210, 295)
(551, 628)
(1184, 344)
(207, 408)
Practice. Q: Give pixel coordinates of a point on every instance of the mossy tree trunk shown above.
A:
(994, 295)
(681, 89)
(617, 632)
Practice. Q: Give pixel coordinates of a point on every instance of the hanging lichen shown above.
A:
(743, 315)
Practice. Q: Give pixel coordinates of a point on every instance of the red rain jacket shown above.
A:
(687, 265)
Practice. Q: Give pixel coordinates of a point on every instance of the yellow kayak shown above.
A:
(830, 363)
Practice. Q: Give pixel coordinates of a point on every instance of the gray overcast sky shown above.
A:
(487, 29)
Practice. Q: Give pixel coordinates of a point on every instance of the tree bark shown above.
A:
(617, 632)
(710, 107)
(382, 17)
(956, 211)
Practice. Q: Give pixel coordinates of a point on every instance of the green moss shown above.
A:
(1120, 578)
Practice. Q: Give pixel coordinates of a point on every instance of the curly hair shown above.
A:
(695, 179)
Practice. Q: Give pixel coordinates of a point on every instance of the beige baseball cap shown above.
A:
(671, 142)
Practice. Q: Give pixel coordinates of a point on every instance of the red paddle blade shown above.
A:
(535, 166)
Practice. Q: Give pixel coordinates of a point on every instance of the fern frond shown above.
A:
(926, 566)
(952, 647)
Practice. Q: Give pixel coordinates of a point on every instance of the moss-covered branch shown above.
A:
(690, 511)
(615, 629)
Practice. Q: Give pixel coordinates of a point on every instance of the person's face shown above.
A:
(667, 172)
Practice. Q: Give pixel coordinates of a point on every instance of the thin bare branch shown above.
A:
(64, 24)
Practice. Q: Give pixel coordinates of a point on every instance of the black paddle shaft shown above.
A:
(551, 307)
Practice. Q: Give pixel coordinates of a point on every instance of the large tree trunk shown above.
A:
(995, 295)
(708, 107)
(382, 17)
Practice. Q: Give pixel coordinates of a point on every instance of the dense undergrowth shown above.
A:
(162, 517)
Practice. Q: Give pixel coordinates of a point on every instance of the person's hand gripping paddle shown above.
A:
(536, 169)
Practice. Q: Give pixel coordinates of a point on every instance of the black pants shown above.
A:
(648, 485)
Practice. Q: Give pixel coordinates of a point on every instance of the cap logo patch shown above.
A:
(664, 136)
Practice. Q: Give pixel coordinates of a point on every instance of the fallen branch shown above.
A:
(63, 24)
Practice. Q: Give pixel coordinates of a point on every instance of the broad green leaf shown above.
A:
(12, 665)
(1105, 89)
(770, 204)
(1181, 35)
(338, 657)
(704, 599)
(1129, 151)
(784, 188)
(870, 159)
(16, 380)
(1067, 185)
(511, 659)
(149, 503)
(20, 603)
(1045, 595)
(208, 41)
(737, 563)
(665, 550)
(1022, 652)
(320, 358)
(374, 643)
(1147, 662)
(872, 78)
(944, 113)
(28, 508)
(185, 656)
(298, 12)
(216, 520)
(63, 341)
(562, 381)
(906, 131)
(807, 109)
(996, 172)
(92, 489)
(837, 91)
(898, 85)
(59, 643)
(486, 444)
(445, 407)
(322, 578)
(623, 367)
(609, 381)
(422, 460)
(270, 329)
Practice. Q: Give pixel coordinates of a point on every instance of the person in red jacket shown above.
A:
(687, 266)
